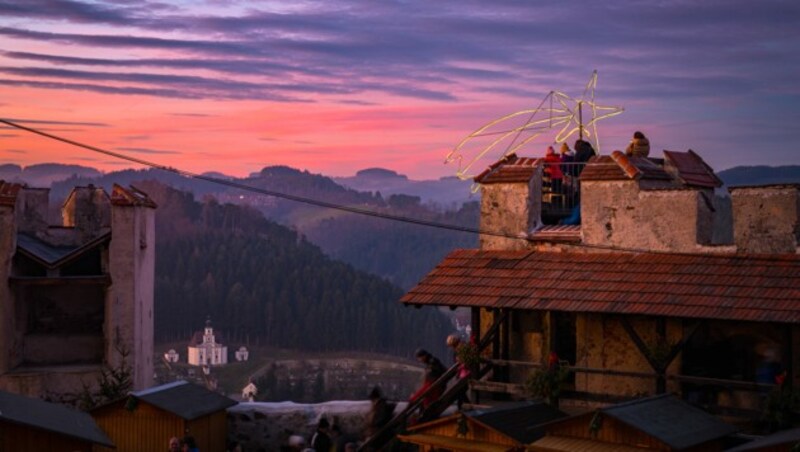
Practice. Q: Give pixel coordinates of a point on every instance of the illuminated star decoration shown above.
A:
(556, 111)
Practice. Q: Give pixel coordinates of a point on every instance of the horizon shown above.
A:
(336, 88)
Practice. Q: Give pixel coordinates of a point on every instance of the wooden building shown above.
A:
(785, 441)
(32, 424)
(657, 423)
(501, 429)
(671, 283)
(146, 420)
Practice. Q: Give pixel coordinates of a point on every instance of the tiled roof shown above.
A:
(53, 256)
(509, 169)
(557, 233)
(618, 166)
(185, 400)
(691, 169)
(51, 417)
(8, 193)
(735, 287)
(121, 196)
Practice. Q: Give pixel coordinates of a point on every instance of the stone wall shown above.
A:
(766, 219)
(508, 209)
(267, 426)
(10, 340)
(620, 214)
(129, 302)
(33, 209)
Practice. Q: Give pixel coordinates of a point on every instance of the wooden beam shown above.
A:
(681, 344)
(661, 382)
(498, 387)
(637, 340)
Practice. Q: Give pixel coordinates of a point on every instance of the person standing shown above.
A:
(321, 442)
(552, 169)
(380, 413)
(433, 370)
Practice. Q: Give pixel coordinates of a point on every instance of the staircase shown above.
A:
(383, 436)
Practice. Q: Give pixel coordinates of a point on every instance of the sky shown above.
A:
(337, 86)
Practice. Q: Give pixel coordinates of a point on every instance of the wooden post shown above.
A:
(506, 350)
(788, 355)
(475, 324)
(476, 332)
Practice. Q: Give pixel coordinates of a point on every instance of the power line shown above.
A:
(350, 209)
(245, 187)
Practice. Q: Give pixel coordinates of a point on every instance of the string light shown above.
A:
(566, 113)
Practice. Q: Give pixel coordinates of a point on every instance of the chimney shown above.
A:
(34, 204)
(766, 219)
(87, 209)
(511, 202)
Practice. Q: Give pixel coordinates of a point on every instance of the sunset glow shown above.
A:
(334, 87)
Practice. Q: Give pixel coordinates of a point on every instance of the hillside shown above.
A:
(402, 253)
(262, 283)
(761, 175)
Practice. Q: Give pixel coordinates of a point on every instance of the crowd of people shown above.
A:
(563, 169)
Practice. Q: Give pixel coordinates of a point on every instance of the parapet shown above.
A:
(766, 218)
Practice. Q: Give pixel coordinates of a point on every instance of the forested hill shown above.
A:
(261, 282)
(400, 252)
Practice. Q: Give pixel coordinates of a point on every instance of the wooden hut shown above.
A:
(785, 441)
(500, 429)
(147, 419)
(33, 424)
(662, 422)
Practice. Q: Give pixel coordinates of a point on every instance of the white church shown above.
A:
(208, 352)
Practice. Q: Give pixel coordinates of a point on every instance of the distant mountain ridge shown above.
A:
(446, 192)
(45, 174)
(761, 175)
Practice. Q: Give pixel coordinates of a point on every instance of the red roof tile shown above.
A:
(509, 169)
(734, 287)
(691, 169)
(121, 196)
(560, 233)
(618, 166)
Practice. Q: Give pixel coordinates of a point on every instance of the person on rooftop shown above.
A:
(552, 169)
(639, 146)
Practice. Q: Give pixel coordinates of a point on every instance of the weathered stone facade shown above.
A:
(509, 209)
(767, 219)
(76, 296)
(632, 206)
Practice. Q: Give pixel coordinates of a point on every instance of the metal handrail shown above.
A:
(387, 432)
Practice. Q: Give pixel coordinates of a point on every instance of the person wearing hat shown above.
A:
(639, 146)
(433, 370)
(380, 413)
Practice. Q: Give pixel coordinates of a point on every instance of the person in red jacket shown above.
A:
(552, 169)
(433, 370)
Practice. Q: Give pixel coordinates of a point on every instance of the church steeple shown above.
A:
(208, 334)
